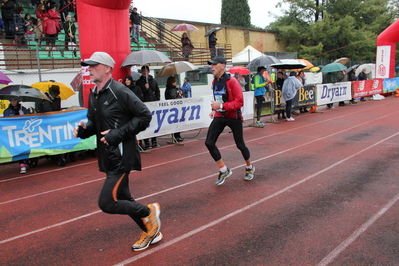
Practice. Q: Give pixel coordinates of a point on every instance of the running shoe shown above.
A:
(258, 123)
(23, 168)
(223, 176)
(145, 241)
(249, 173)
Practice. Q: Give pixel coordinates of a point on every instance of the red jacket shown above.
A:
(235, 99)
(50, 26)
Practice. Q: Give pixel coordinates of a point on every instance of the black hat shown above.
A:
(217, 60)
(260, 68)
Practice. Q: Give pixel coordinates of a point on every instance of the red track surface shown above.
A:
(325, 192)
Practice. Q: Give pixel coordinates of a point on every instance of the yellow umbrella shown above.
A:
(65, 91)
(314, 69)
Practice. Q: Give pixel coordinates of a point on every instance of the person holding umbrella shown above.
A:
(187, 46)
(15, 108)
(212, 44)
(226, 111)
(151, 92)
(116, 116)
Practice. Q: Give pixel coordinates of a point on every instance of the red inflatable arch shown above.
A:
(386, 50)
(103, 26)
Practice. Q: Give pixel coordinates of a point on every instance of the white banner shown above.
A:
(333, 92)
(185, 114)
(383, 61)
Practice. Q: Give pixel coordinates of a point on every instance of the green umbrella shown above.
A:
(333, 67)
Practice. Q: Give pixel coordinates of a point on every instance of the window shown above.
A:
(196, 78)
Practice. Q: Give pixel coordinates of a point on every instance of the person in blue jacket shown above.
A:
(186, 88)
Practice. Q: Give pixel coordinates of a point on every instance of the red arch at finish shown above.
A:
(389, 37)
(104, 26)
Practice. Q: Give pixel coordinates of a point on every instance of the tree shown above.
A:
(328, 29)
(236, 13)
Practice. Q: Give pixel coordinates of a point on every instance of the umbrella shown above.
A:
(175, 68)
(184, 27)
(65, 91)
(263, 60)
(206, 70)
(209, 32)
(289, 64)
(4, 79)
(368, 67)
(144, 57)
(23, 92)
(352, 68)
(333, 67)
(342, 60)
(314, 69)
(307, 63)
(136, 75)
(239, 69)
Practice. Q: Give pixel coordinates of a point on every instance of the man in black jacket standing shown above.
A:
(149, 87)
(116, 116)
(7, 13)
(136, 22)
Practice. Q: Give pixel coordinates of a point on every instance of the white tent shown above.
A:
(245, 56)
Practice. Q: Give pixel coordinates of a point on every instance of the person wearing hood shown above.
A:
(149, 87)
(226, 112)
(131, 84)
(290, 87)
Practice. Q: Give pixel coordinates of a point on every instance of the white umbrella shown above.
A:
(144, 57)
(175, 68)
(368, 67)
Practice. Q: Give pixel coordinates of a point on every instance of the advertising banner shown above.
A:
(333, 92)
(383, 61)
(304, 97)
(30, 136)
(363, 88)
(179, 115)
(391, 85)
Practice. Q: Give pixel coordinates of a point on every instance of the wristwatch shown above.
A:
(221, 106)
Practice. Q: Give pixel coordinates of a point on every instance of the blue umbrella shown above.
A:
(333, 67)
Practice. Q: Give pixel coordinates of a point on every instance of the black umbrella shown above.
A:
(209, 32)
(206, 70)
(263, 60)
(23, 93)
(289, 64)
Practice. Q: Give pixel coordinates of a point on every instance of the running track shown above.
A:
(325, 192)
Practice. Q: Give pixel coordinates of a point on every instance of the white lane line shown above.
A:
(347, 242)
(206, 226)
(206, 177)
(45, 172)
(50, 191)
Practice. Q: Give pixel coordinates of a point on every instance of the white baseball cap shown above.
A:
(99, 58)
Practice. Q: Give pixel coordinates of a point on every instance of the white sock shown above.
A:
(223, 169)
